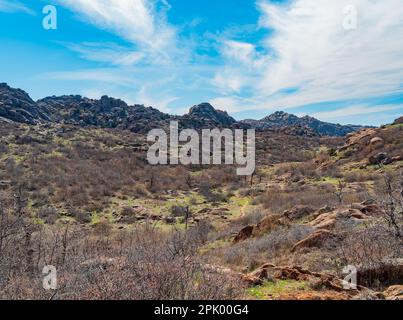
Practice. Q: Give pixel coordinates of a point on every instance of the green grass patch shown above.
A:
(275, 289)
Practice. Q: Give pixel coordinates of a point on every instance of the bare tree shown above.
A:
(392, 203)
(340, 191)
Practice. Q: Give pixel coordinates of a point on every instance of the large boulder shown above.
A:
(369, 208)
(376, 142)
(316, 240)
(269, 224)
(244, 234)
(266, 225)
(379, 158)
(358, 138)
(396, 159)
(394, 293)
(327, 221)
(298, 212)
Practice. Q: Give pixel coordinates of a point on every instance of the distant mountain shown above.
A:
(282, 119)
(107, 112)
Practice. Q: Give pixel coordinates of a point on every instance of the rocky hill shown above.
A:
(107, 112)
(282, 119)
(375, 146)
(16, 105)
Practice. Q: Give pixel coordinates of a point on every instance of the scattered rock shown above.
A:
(170, 220)
(357, 138)
(328, 220)
(298, 212)
(136, 213)
(204, 210)
(368, 208)
(316, 239)
(269, 223)
(323, 210)
(321, 280)
(256, 278)
(244, 234)
(5, 185)
(266, 225)
(380, 158)
(314, 296)
(377, 141)
(394, 293)
(383, 158)
(397, 159)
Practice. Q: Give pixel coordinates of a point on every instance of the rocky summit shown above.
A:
(282, 119)
(17, 106)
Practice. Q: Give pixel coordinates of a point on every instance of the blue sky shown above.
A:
(249, 58)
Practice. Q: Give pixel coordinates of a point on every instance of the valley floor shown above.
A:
(85, 201)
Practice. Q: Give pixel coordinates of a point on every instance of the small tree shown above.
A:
(391, 201)
(340, 191)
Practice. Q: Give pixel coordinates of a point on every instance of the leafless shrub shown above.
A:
(390, 199)
(102, 264)
(373, 250)
(274, 245)
(277, 200)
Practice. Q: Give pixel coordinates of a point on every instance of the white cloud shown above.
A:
(136, 21)
(307, 56)
(155, 99)
(309, 50)
(356, 110)
(107, 52)
(14, 6)
(241, 52)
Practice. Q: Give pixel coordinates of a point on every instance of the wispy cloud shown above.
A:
(139, 22)
(304, 56)
(107, 52)
(14, 6)
(310, 58)
(355, 110)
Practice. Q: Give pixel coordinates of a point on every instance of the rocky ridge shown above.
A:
(17, 106)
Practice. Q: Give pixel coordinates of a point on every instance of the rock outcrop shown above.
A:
(316, 240)
(298, 212)
(327, 221)
(266, 225)
(17, 106)
(321, 281)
